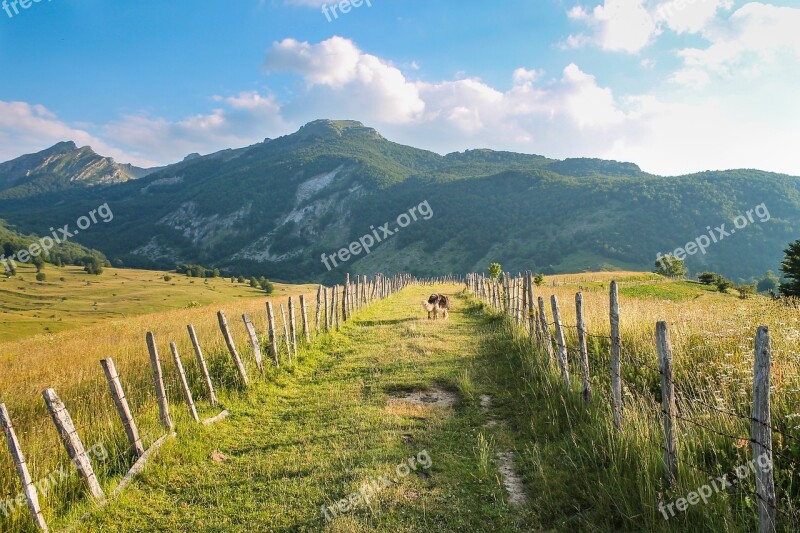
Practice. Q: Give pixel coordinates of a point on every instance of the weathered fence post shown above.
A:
(293, 325)
(201, 361)
(581, 324)
(616, 349)
(345, 291)
(548, 343)
(254, 342)
(226, 333)
(318, 312)
(335, 307)
(158, 376)
(304, 317)
(273, 340)
(563, 358)
(761, 432)
(286, 332)
(327, 317)
(121, 402)
(73, 444)
(668, 402)
(187, 392)
(22, 468)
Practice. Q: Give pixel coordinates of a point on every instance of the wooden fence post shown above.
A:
(226, 333)
(286, 332)
(187, 392)
(616, 349)
(304, 316)
(761, 432)
(668, 402)
(318, 313)
(255, 344)
(293, 325)
(345, 291)
(201, 361)
(22, 468)
(581, 324)
(563, 358)
(121, 402)
(327, 319)
(73, 444)
(158, 376)
(335, 306)
(548, 343)
(273, 338)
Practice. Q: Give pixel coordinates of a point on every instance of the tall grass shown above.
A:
(614, 479)
(69, 363)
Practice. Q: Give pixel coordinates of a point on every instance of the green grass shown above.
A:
(70, 298)
(673, 291)
(312, 434)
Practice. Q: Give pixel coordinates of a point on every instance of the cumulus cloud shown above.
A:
(28, 128)
(755, 38)
(238, 120)
(631, 25)
(568, 113)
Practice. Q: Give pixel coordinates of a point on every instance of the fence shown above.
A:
(514, 297)
(336, 305)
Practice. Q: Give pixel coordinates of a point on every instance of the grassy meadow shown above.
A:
(309, 433)
(70, 298)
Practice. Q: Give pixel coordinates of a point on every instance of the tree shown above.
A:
(745, 291)
(538, 279)
(707, 278)
(495, 270)
(671, 267)
(254, 283)
(723, 284)
(92, 265)
(266, 285)
(41, 276)
(769, 283)
(38, 262)
(791, 270)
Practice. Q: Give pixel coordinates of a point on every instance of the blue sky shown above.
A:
(674, 85)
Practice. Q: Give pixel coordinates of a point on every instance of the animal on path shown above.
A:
(436, 304)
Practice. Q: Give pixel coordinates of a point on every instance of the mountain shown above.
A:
(62, 166)
(275, 207)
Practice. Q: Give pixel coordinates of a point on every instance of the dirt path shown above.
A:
(378, 428)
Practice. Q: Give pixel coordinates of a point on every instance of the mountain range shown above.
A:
(275, 207)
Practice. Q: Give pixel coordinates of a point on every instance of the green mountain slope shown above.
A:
(62, 166)
(273, 208)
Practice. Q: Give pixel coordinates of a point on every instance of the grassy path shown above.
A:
(318, 432)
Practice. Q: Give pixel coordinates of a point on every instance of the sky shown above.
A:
(676, 86)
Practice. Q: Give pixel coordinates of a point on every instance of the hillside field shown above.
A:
(311, 432)
(70, 298)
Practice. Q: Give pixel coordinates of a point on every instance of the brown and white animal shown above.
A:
(436, 304)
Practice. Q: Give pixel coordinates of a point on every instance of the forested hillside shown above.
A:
(273, 209)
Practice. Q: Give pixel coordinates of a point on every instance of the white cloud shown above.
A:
(570, 114)
(239, 120)
(631, 25)
(757, 37)
(618, 25)
(27, 128)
